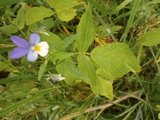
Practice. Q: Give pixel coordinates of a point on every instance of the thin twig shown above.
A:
(100, 107)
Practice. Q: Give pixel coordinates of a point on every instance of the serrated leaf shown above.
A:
(114, 60)
(103, 87)
(150, 38)
(87, 68)
(69, 70)
(35, 14)
(85, 31)
(64, 8)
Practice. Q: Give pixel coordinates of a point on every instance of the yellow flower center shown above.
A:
(37, 48)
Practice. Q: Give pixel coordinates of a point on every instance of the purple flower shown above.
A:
(31, 48)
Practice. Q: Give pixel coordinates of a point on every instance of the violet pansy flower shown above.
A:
(32, 49)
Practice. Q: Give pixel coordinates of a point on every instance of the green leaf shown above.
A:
(63, 55)
(85, 31)
(69, 40)
(48, 23)
(54, 41)
(69, 70)
(4, 3)
(19, 21)
(4, 66)
(87, 68)
(64, 8)
(103, 87)
(35, 14)
(114, 60)
(151, 38)
(42, 69)
(9, 29)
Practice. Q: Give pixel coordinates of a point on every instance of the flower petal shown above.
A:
(44, 48)
(20, 42)
(34, 39)
(32, 56)
(18, 52)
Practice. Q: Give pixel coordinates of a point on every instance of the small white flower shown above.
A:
(42, 30)
(57, 77)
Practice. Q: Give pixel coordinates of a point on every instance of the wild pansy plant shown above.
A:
(32, 49)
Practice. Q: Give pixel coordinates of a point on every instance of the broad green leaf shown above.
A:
(114, 60)
(69, 40)
(20, 21)
(9, 29)
(42, 26)
(55, 42)
(85, 31)
(66, 15)
(69, 70)
(150, 38)
(87, 68)
(64, 8)
(42, 69)
(63, 55)
(103, 87)
(48, 23)
(35, 14)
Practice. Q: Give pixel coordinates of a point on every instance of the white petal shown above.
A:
(43, 45)
(32, 56)
(61, 78)
(44, 48)
(58, 77)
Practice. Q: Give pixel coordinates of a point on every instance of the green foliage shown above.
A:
(87, 68)
(150, 38)
(4, 66)
(107, 54)
(7, 2)
(64, 8)
(103, 87)
(68, 69)
(114, 60)
(85, 31)
(9, 29)
(20, 104)
(35, 14)
(42, 69)
(20, 19)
